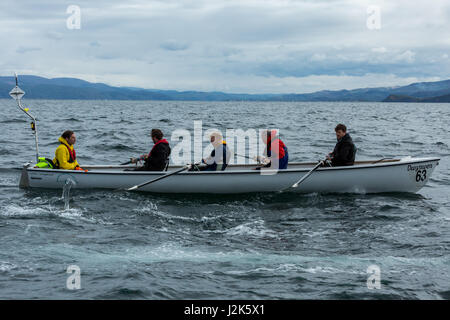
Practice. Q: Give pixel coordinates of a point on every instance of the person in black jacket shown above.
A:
(345, 150)
(158, 157)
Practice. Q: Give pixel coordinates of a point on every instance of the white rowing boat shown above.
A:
(372, 176)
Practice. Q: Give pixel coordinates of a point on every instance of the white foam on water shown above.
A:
(29, 226)
(78, 215)
(148, 207)
(207, 219)
(167, 216)
(6, 266)
(72, 213)
(175, 252)
(321, 269)
(296, 268)
(14, 210)
(168, 252)
(254, 229)
(152, 209)
(315, 233)
(282, 268)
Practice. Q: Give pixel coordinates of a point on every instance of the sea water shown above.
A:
(254, 246)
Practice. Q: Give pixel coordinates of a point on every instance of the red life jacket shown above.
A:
(281, 147)
(160, 141)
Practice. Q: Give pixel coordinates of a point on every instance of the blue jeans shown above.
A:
(283, 162)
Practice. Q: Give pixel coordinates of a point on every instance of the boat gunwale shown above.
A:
(389, 163)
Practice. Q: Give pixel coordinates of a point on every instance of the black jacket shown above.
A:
(158, 158)
(344, 152)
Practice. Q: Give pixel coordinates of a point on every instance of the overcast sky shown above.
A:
(251, 46)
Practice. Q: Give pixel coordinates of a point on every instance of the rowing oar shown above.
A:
(131, 161)
(240, 155)
(381, 160)
(295, 185)
(160, 178)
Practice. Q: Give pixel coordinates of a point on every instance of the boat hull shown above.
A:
(403, 175)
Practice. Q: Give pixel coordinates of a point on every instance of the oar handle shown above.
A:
(240, 155)
(140, 158)
(251, 158)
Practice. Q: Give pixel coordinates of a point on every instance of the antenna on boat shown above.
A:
(17, 95)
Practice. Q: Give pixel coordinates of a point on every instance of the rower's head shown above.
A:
(341, 130)
(156, 135)
(215, 138)
(69, 136)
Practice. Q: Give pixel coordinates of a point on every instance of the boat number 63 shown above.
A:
(421, 175)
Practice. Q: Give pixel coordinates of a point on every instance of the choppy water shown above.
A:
(131, 245)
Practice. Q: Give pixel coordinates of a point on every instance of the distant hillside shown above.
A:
(400, 98)
(76, 89)
(444, 98)
(403, 98)
(71, 88)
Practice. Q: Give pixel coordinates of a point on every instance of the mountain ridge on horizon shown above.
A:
(66, 88)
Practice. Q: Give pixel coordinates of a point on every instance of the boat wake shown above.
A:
(254, 229)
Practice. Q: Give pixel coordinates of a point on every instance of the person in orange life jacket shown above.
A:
(219, 157)
(65, 155)
(275, 150)
(158, 158)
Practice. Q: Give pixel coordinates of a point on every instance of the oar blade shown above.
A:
(295, 185)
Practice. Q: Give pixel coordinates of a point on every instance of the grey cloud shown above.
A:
(95, 44)
(54, 35)
(106, 57)
(174, 45)
(22, 49)
(351, 62)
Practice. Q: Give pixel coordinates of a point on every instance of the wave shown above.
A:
(13, 121)
(4, 152)
(6, 266)
(123, 293)
(152, 209)
(122, 121)
(252, 229)
(116, 146)
(38, 209)
(14, 210)
(278, 269)
(73, 120)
